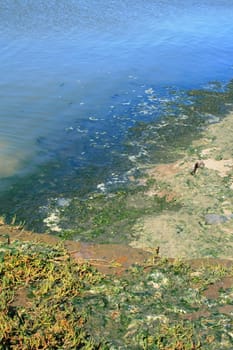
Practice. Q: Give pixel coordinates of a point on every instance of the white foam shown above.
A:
(52, 221)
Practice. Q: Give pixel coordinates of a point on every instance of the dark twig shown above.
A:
(197, 165)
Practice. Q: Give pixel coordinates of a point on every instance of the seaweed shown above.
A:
(50, 301)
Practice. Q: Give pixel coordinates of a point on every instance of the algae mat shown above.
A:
(49, 301)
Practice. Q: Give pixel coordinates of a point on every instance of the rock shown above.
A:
(212, 219)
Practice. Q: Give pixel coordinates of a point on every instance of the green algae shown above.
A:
(50, 301)
(109, 219)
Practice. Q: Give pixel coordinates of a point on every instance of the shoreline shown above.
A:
(183, 233)
(133, 297)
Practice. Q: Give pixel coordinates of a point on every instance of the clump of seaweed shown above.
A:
(38, 284)
(50, 301)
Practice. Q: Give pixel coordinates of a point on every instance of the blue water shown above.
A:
(73, 73)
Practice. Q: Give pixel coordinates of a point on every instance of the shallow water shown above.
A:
(75, 75)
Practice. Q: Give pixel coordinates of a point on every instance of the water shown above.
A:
(75, 75)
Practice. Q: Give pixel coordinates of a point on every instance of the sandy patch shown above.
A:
(9, 162)
(175, 233)
(165, 170)
(221, 166)
(9, 166)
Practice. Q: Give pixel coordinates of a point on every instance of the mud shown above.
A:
(107, 258)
